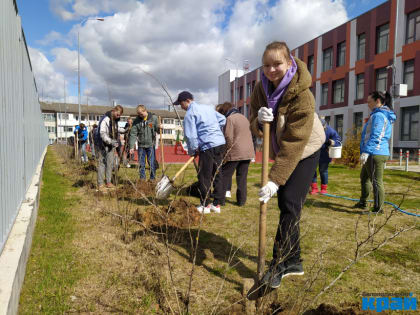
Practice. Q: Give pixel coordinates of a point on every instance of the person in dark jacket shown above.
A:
(239, 151)
(81, 133)
(144, 131)
(92, 140)
(374, 149)
(106, 141)
(331, 139)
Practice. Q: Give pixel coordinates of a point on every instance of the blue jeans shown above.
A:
(323, 173)
(84, 155)
(149, 152)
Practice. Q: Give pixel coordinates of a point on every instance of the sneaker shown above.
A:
(128, 166)
(293, 269)
(276, 276)
(213, 208)
(360, 205)
(102, 189)
(377, 211)
(204, 210)
(228, 194)
(110, 185)
(253, 160)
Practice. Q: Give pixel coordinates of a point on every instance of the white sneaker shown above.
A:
(212, 207)
(228, 194)
(202, 209)
(128, 165)
(253, 160)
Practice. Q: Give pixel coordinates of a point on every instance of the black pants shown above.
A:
(241, 168)
(210, 172)
(291, 198)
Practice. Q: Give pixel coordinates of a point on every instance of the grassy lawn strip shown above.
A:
(53, 265)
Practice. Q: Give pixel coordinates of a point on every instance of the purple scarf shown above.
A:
(275, 98)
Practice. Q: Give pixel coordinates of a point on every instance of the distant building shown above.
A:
(60, 120)
(352, 60)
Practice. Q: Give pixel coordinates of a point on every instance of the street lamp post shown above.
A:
(78, 60)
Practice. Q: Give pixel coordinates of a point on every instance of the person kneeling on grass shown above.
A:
(374, 149)
(283, 99)
(202, 130)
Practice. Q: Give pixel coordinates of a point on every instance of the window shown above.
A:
(324, 95)
(76, 117)
(167, 131)
(311, 64)
(327, 59)
(327, 119)
(360, 86)
(339, 125)
(64, 116)
(50, 129)
(338, 90)
(168, 121)
(91, 117)
(341, 54)
(98, 118)
(358, 122)
(381, 79)
(241, 92)
(382, 38)
(68, 129)
(409, 74)
(248, 89)
(413, 27)
(83, 117)
(410, 123)
(361, 46)
(49, 117)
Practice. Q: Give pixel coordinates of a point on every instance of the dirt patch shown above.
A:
(140, 188)
(84, 183)
(180, 214)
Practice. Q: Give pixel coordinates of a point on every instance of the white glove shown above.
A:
(363, 158)
(268, 191)
(265, 114)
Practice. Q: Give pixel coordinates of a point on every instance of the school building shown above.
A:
(60, 120)
(352, 60)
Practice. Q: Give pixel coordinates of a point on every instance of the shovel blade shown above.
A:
(163, 188)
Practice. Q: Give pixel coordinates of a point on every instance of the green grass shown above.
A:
(53, 266)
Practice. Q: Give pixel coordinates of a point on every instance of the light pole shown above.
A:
(78, 59)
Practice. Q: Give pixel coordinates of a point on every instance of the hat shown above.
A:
(183, 96)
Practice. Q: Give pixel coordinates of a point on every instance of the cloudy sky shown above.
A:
(182, 43)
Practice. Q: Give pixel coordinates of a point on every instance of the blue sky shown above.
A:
(209, 36)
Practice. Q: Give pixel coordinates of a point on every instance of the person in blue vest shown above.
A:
(331, 139)
(81, 133)
(204, 136)
(374, 149)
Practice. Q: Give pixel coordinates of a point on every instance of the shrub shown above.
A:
(350, 153)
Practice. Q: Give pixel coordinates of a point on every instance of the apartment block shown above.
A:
(354, 59)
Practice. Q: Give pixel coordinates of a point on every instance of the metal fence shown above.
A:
(23, 137)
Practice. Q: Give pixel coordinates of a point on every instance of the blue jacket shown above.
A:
(377, 132)
(203, 128)
(84, 133)
(330, 133)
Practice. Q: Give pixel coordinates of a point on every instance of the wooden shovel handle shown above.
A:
(183, 168)
(263, 206)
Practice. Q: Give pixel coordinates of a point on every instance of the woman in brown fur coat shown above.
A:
(283, 99)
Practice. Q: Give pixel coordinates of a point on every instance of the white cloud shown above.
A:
(182, 42)
(76, 9)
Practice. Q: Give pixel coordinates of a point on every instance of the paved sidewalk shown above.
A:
(411, 168)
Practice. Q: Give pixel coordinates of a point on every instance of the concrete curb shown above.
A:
(16, 251)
